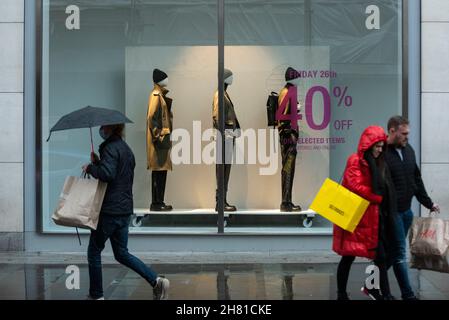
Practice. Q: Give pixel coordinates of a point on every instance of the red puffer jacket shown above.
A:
(357, 178)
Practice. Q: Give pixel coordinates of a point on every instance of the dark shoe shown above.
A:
(160, 290)
(230, 208)
(342, 296)
(227, 208)
(389, 297)
(290, 207)
(160, 207)
(374, 294)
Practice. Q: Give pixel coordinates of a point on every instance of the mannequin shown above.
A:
(159, 128)
(288, 140)
(232, 131)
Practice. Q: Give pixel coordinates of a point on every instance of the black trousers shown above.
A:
(158, 183)
(229, 154)
(344, 267)
(227, 175)
(288, 152)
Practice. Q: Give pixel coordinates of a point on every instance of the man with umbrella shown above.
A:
(115, 166)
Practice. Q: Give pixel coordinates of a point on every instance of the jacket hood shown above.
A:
(370, 137)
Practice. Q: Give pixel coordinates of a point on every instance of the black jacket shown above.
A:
(382, 184)
(407, 178)
(115, 167)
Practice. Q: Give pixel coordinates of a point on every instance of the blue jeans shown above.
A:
(402, 223)
(115, 229)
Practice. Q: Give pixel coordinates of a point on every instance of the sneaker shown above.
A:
(389, 297)
(374, 294)
(160, 291)
(412, 298)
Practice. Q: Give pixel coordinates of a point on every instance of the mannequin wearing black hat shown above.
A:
(288, 139)
(232, 131)
(159, 128)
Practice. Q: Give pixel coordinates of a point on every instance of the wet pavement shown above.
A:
(196, 281)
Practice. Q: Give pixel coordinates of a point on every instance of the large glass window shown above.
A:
(348, 55)
(103, 53)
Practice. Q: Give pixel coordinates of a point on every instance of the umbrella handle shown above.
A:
(91, 141)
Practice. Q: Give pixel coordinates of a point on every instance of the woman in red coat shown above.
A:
(367, 175)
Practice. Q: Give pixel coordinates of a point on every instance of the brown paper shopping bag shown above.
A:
(80, 203)
(429, 244)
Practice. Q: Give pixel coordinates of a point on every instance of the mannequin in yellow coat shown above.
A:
(159, 128)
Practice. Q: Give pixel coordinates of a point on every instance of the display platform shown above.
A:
(140, 214)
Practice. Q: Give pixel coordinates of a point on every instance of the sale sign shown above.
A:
(294, 116)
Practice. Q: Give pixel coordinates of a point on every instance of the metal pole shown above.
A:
(413, 71)
(221, 119)
(36, 48)
(91, 141)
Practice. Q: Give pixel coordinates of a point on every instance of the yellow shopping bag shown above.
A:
(339, 205)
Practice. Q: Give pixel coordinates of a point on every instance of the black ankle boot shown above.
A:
(289, 207)
(227, 208)
(158, 207)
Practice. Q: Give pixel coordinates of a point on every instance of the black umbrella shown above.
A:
(89, 117)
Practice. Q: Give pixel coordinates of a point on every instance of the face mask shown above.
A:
(229, 80)
(103, 134)
(164, 83)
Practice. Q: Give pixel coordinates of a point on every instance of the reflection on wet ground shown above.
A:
(208, 282)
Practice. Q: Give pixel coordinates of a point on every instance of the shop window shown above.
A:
(348, 59)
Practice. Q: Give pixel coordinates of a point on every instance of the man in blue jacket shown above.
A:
(116, 167)
(401, 160)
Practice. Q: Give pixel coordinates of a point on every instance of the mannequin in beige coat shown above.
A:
(232, 131)
(159, 128)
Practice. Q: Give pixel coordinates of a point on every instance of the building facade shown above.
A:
(360, 64)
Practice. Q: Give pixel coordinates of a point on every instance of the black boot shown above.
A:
(290, 207)
(160, 207)
(294, 207)
(165, 207)
(153, 191)
(227, 206)
(288, 174)
(154, 206)
(159, 179)
(287, 186)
